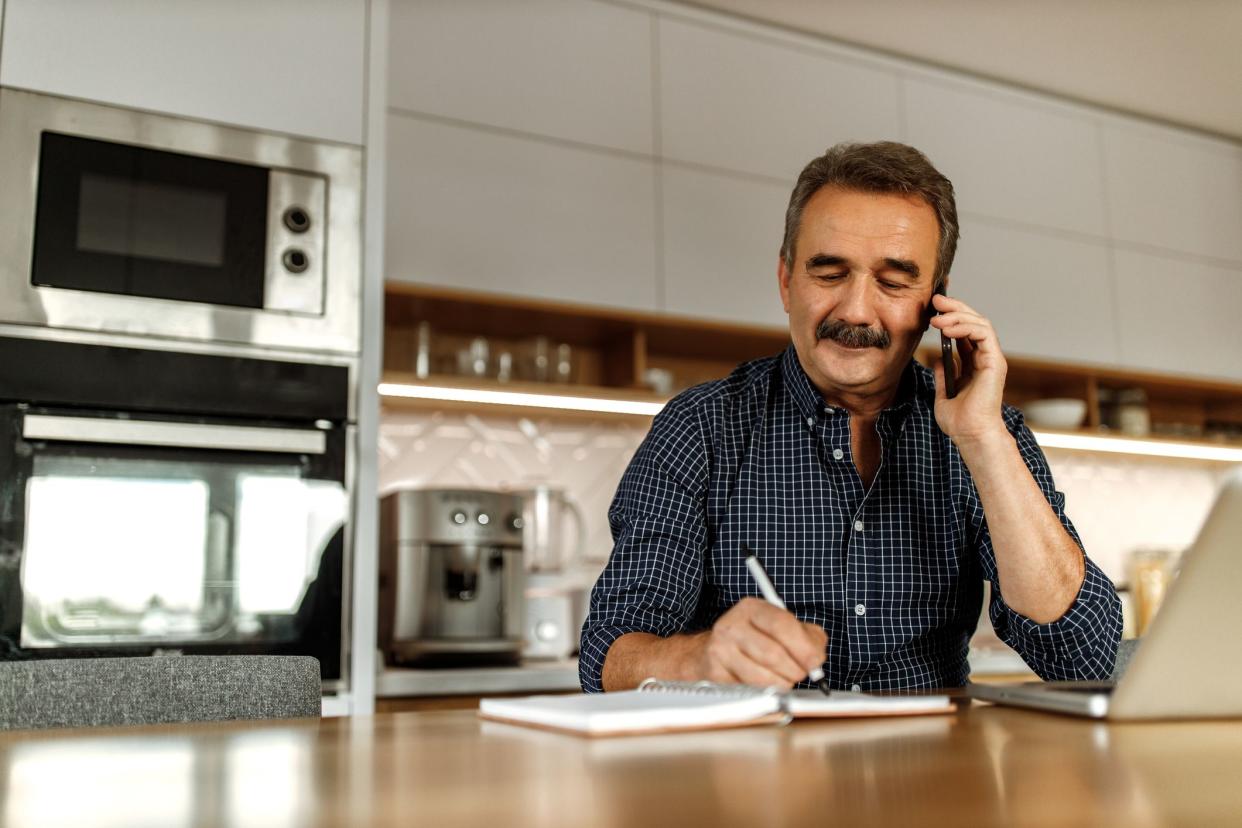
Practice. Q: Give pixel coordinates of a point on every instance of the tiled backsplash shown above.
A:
(1117, 502)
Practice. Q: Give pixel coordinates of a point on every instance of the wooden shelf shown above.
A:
(613, 350)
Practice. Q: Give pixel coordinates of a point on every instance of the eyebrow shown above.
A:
(824, 260)
(906, 266)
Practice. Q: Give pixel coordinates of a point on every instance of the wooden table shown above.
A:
(982, 766)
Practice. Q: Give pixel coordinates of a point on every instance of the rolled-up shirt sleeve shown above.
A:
(1082, 643)
(654, 576)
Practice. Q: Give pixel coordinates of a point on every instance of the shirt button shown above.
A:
(859, 609)
(856, 688)
(810, 421)
(837, 454)
(858, 526)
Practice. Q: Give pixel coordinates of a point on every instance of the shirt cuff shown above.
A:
(1082, 643)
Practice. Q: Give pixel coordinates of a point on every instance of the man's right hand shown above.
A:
(757, 643)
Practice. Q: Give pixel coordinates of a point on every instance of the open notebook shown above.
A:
(660, 706)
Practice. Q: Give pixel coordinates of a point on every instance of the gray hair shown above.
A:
(882, 167)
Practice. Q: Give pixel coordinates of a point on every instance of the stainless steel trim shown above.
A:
(24, 115)
(175, 435)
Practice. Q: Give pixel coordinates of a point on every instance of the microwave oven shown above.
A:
(126, 222)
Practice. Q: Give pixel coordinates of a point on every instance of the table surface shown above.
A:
(982, 765)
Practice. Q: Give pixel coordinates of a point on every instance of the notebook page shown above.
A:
(630, 711)
(815, 703)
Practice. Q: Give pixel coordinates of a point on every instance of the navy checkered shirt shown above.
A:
(894, 574)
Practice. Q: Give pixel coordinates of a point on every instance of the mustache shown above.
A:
(852, 336)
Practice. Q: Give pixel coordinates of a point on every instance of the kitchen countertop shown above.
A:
(531, 676)
(542, 676)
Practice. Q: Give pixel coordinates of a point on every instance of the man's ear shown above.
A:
(782, 280)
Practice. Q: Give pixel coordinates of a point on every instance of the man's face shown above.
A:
(862, 277)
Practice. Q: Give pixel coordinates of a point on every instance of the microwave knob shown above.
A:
(295, 260)
(296, 219)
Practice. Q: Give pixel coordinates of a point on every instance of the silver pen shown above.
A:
(773, 597)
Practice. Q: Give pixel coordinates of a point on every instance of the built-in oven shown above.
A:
(161, 502)
(131, 222)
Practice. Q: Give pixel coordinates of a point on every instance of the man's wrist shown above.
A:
(637, 655)
(983, 444)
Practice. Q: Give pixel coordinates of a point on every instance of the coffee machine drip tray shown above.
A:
(455, 653)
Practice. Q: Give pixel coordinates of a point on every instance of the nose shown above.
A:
(854, 305)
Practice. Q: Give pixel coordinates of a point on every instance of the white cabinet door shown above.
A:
(474, 210)
(1173, 190)
(561, 68)
(1046, 295)
(1009, 156)
(744, 103)
(281, 65)
(722, 238)
(1179, 317)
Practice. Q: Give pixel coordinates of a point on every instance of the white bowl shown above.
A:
(1060, 412)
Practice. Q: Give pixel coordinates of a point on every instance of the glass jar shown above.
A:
(1133, 418)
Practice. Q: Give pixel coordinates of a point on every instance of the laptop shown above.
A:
(1190, 663)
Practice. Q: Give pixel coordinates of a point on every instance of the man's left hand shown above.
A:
(975, 412)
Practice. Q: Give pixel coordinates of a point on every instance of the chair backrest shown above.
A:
(89, 692)
(1125, 651)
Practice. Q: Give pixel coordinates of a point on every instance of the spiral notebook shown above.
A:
(663, 706)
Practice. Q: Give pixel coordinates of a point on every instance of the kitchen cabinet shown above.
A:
(278, 65)
(746, 103)
(1179, 316)
(1048, 296)
(476, 210)
(722, 238)
(1008, 155)
(568, 69)
(1175, 190)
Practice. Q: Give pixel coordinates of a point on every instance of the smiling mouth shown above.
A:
(843, 346)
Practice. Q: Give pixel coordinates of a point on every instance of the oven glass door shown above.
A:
(116, 218)
(189, 544)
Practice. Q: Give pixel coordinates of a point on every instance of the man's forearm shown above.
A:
(636, 656)
(1039, 566)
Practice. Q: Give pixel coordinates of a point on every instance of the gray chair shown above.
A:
(1125, 651)
(89, 692)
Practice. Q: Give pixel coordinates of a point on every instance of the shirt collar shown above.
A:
(916, 381)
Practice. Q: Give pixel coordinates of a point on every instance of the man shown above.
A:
(876, 504)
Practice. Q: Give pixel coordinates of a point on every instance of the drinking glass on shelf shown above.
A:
(473, 361)
(564, 363)
(541, 361)
(422, 351)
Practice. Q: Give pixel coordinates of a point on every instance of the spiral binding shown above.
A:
(707, 688)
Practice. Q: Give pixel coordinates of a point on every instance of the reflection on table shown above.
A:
(984, 765)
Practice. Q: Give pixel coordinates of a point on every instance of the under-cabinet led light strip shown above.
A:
(1130, 445)
(1078, 442)
(479, 395)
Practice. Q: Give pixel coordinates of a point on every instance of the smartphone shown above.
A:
(946, 358)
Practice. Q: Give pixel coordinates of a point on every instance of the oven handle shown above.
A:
(174, 435)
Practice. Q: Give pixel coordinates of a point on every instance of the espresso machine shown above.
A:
(452, 577)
